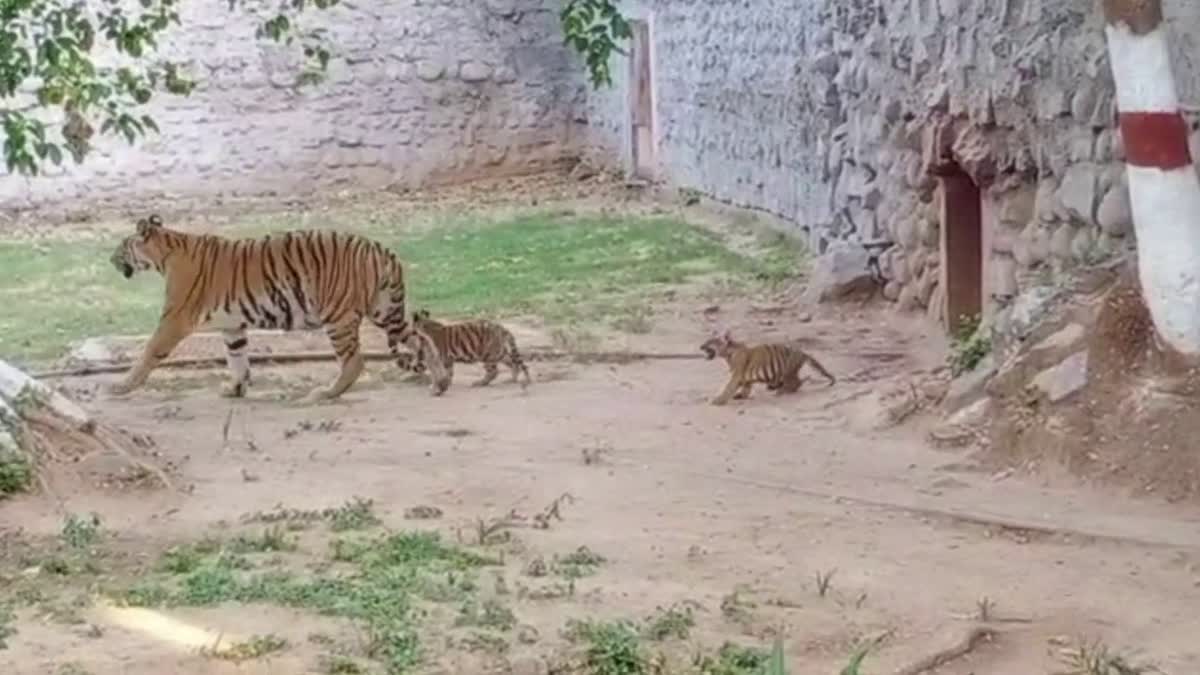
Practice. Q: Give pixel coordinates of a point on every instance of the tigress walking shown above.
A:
(478, 341)
(775, 364)
(305, 279)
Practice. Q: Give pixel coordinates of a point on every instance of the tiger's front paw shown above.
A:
(438, 388)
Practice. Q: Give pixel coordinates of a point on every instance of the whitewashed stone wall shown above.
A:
(419, 91)
(830, 113)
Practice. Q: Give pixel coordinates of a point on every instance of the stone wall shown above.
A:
(839, 114)
(418, 91)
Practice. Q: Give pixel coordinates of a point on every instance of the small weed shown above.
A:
(690, 196)
(273, 539)
(422, 512)
(733, 659)
(824, 582)
(6, 629)
(188, 557)
(491, 614)
(854, 665)
(972, 342)
(341, 665)
(15, 474)
(80, 532)
(580, 563)
(72, 668)
(484, 642)
(669, 623)
(1097, 658)
(324, 426)
(572, 339)
(610, 648)
(985, 607)
(734, 608)
(776, 664)
(635, 320)
(356, 514)
(146, 594)
(495, 530)
(256, 647)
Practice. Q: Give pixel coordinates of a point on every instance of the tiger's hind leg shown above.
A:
(490, 370)
(744, 391)
(345, 340)
(517, 364)
(238, 362)
(790, 384)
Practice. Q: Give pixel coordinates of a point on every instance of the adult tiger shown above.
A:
(304, 279)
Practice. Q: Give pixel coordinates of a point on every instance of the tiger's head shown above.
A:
(143, 250)
(422, 317)
(718, 345)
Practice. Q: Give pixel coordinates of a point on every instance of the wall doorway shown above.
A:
(962, 240)
(641, 102)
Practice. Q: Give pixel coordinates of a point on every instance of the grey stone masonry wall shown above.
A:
(418, 91)
(838, 114)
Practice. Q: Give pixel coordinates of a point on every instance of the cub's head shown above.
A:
(718, 345)
(422, 317)
(144, 249)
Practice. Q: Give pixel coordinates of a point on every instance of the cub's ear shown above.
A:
(420, 315)
(149, 224)
(727, 336)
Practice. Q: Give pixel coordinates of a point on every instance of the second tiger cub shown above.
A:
(478, 341)
(775, 364)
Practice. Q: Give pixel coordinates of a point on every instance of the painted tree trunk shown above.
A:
(1164, 190)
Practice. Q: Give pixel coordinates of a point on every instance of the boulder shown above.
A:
(841, 270)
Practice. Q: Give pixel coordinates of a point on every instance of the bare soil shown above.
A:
(736, 509)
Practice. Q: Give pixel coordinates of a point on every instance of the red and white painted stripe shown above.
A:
(1164, 190)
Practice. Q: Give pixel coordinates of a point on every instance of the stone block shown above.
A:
(1077, 194)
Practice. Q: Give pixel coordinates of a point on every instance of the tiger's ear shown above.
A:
(727, 335)
(147, 225)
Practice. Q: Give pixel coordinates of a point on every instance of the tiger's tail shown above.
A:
(820, 369)
(515, 360)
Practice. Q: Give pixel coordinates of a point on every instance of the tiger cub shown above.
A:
(775, 364)
(478, 341)
(303, 279)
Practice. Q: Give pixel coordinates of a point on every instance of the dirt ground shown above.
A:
(688, 502)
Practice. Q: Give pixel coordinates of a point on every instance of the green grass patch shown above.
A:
(609, 647)
(15, 474)
(381, 582)
(734, 659)
(563, 268)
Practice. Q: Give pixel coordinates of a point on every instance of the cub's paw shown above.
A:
(233, 389)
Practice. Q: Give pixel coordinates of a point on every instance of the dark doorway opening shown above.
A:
(961, 249)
